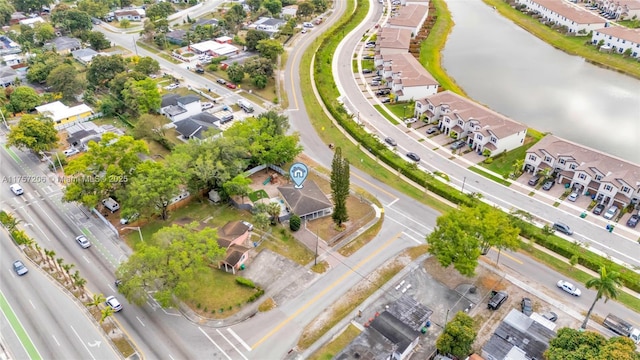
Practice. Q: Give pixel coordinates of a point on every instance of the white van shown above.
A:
(111, 204)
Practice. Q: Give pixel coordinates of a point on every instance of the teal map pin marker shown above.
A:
(298, 174)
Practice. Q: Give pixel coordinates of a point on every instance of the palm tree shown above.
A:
(517, 167)
(67, 269)
(50, 256)
(273, 209)
(10, 222)
(106, 312)
(606, 285)
(78, 281)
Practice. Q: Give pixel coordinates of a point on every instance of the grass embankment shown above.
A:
(569, 44)
(330, 350)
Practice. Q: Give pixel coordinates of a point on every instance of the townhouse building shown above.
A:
(607, 179)
(410, 17)
(624, 9)
(392, 40)
(563, 13)
(619, 39)
(483, 129)
(405, 76)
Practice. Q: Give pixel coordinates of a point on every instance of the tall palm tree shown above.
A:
(97, 300)
(606, 285)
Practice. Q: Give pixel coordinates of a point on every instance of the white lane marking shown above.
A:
(393, 202)
(30, 302)
(141, 321)
(414, 239)
(171, 357)
(233, 333)
(55, 223)
(83, 344)
(214, 343)
(56, 340)
(406, 228)
(405, 217)
(38, 226)
(86, 259)
(230, 343)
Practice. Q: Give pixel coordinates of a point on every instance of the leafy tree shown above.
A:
(305, 9)
(259, 81)
(104, 169)
(26, 37)
(98, 8)
(340, 187)
(270, 48)
(159, 11)
(105, 313)
(261, 221)
(494, 229)
(29, 6)
(64, 79)
(98, 41)
(273, 6)
(97, 300)
(253, 37)
(33, 133)
(149, 127)
(43, 32)
(166, 265)
(124, 23)
(288, 28)
(239, 185)
(152, 189)
(294, 222)
(104, 68)
(258, 66)
(606, 286)
(254, 5)
(23, 98)
(236, 73)
(41, 65)
(72, 19)
(141, 96)
(6, 10)
(458, 336)
(320, 5)
(274, 209)
(571, 344)
(147, 65)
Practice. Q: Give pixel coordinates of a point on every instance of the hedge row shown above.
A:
(245, 282)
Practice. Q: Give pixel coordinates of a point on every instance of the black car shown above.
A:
(367, 57)
(432, 130)
(413, 156)
(497, 300)
(548, 185)
(526, 306)
(598, 209)
(633, 220)
(367, 71)
(383, 92)
(391, 142)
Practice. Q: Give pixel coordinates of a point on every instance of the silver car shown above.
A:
(113, 303)
(83, 241)
(613, 210)
(19, 268)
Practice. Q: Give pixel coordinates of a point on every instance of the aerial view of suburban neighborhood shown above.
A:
(320, 179)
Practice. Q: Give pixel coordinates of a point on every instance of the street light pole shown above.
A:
(135, 228)
(404, 112)
(464, 180)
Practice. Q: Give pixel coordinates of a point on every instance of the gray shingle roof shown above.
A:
(395, 330)
(305, 201)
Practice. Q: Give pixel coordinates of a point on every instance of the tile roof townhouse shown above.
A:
(609, 180)
(460, 118)
(406, 77)
(410, 17)
(577, 20)
(619, 39)
(624, 9)
(392, 40)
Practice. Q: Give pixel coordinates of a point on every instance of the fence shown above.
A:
(81, 120)
(105, 221)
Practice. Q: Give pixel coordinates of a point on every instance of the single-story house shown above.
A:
(215, 49)
(131, 14)
(84, 56)
(577, 19)
(406, 77)
(80, 134)
(308, 203)
(393, 40)
(619, 38)
(176, 36)
(61, 113)
(232, 236)
(31, 22)
(518, 337)
(482, 128)
(204, 22)
(607, 179)
(268, 25)
(177, 107)
(410, 17)
(12, 59)
(63, 44)
(196, 125)
(7, 76)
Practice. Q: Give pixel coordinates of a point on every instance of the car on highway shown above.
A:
(548, 185)
(231, 85)
(16, 189)
(171, 87)
(71, 151)
(526, 306)
(613, 210)
(83, 241)
(497, 299)
(563, 228)
(568, 287)
(598, 209)
(221, 81)
(633, 220)
(413, 156)
(551, 316)
(458, 144)
(113, 303)
(19, 268)
(432, 130)
(573, 196)
(390, 141)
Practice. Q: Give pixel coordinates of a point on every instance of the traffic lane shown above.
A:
(57, 324)
(545, 278)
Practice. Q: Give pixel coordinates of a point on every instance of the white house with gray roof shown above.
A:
(177, 107)
(406, 77)
(482, 128)
(608, 179)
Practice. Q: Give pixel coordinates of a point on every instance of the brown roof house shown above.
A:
(232, 236)
(309, 202)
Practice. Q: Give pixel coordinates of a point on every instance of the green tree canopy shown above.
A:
(160, 10)
(270, 48)
(104, 68)
(6, 10)
(147, 65)
(141, 96)
(254, 5)
(98, 41)
(41, 65)
(238, 186)
(253, 37)
(43, 32)
(273, 6)
(340, 184)
(458, 336)
(29, 6)
(33, 133)
(606, 285)
(151, 190)
(571, 344)
(64, 79)
(258, 66)
(96, 8)
(23, 98)
(72, 19)
(305, 9)
(235, 73)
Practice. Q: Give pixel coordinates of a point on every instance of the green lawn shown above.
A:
(282, 242)
(402, 110)
(330, 350)
(634, 24)
(503, 163)
(386, 115)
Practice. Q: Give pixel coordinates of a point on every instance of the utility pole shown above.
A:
(315, 260)
(135, 46)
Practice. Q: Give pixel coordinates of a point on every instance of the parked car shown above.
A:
(497, 300)
(367, 57)
(390, 141)
(526, 305)
(71, 151)
(633, 220)
(535, 179)
(458, 144)
(383, 92)
(598, 209)
(367, 71)
(19, 268)
(385, 100)
(16, 189)
(304, 31)
(551, 316)
(573, 196)
(613, 210)
(206, 105)
(375, 83)
(569, 287)
(432, 130)
(113, 303)
(231, 85)
(413, 156)
(563, 228)
(83, 241)
(548, 185)
(221, 81)
(410, 120)
(171, 87)
(127, 219)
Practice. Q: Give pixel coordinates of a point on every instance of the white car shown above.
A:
(83, 241)
(569, 287)
(613, 210)
(410, 120)
(71, 151)
(171, 87)
(206, 105)
(16, 189)
(573, 196)
(113, 303)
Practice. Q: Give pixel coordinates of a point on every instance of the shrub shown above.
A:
(294, 222)
(245, 282)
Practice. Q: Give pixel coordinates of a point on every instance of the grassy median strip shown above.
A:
(330, 350)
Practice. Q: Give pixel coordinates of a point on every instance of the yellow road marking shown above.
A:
(509, 256)
(325, 291)
(373, 185)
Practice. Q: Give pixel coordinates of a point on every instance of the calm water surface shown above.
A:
(502, 66)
